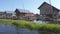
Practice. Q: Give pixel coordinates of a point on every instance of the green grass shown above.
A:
(32, 25)
(21, 23)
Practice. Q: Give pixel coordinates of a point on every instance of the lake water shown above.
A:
(40, 21)
(11, 29)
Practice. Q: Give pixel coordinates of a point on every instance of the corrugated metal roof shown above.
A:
(24, 11)
(9, 11)
(47, 4)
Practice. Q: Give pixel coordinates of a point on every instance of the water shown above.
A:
(40, 21)
(11, 29)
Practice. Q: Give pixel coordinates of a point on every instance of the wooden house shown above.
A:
(24, 14)
(49, 12)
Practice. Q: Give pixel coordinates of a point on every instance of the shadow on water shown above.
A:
(11, 29)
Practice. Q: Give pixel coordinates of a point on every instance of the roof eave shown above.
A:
(41, 5)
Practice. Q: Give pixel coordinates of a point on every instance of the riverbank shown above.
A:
(55, 28)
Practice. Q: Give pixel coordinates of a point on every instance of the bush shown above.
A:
(54, 28)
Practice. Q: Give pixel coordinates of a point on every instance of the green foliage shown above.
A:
(54, 28)
(16, 24)
(32, 25)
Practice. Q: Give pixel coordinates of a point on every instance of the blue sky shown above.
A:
(31, 5)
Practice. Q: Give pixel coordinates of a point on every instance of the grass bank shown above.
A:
(33, 26)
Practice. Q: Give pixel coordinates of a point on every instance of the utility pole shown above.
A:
(51, 11)
(50, 2)
(23, 4)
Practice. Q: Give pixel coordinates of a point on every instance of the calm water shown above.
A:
(11, 29)
(41, 22)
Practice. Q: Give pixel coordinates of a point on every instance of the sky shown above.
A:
(31, 5)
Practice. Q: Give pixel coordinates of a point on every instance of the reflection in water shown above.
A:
(11, 29)
(40, 21)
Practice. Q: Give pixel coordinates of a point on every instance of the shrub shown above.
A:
(54, 28)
